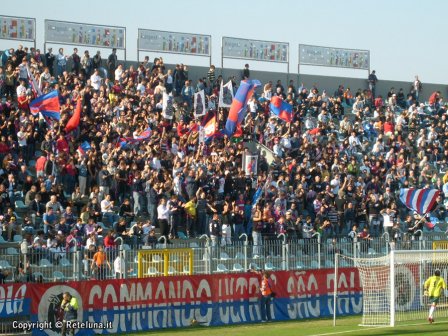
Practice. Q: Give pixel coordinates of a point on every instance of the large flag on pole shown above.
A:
(420, 200)
(73, 123)
(281, 109)
(199, 104)
(239, 105)
(47, 104)
(225, 95)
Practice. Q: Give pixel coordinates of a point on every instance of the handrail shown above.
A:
(244, 235)
(282, 235)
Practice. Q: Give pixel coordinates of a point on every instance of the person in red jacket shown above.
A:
(4, 148)
(62, 144)
(40, 166)
(181, 128)
(434, 100)
(389, 127)
(109, 240)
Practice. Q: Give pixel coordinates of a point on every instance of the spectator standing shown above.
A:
(61, 62)
(266, 297)
(372, 83)
(238, 227)
(49, 60)
(246, 72)
(99, 263)
(215, 229)
(163, 213)
(211, 76)
(112, 62)
(308, 232)
(87, 64)
(417, 88)
(190, 210)
(76, 61)
(257, 229)
(70, 308)
(96, 80)
(365, 239)
(104, 180)
(97, 61)
(174, 215)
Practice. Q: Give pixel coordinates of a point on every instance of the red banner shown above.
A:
(143, 304)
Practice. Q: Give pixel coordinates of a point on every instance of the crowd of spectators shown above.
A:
(337, 168)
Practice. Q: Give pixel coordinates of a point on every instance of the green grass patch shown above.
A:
(345, 326)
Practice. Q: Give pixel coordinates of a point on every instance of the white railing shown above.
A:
(276, 253)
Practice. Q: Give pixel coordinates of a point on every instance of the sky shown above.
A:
(405, 37)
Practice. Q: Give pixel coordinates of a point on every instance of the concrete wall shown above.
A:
(329, 83)
(323, 82)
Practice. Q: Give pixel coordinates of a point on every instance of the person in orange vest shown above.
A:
(266, 296)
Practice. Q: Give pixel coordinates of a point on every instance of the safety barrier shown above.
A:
(298, 257)
(197, 257)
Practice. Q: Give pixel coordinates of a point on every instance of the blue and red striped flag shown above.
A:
(146, 134)
(420, 200)
(83, 148)
(281, 109)
(238, 108)
(47, 104)
(211, 129)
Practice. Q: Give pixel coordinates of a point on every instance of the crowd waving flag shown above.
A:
(238, 108)
(146, 134)
(225, 94)
(210, 127)
(34, 86)
(281, 109)
(83, 148)
(73, 123)
(47, 105)
(420, 200)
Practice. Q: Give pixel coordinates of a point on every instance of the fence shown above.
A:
(196, 257)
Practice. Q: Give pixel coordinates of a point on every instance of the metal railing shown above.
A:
(275, 253)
